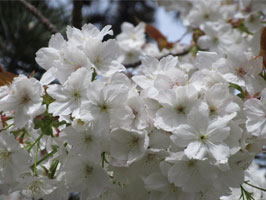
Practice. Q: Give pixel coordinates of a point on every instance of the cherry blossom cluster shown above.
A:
(175, 128)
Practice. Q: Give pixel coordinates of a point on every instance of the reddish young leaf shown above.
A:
(5, 77)
(32, 74)
(155, 34)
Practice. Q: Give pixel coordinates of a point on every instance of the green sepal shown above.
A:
(194, 50)
(52, 169)
(242, 28)
(47, 99)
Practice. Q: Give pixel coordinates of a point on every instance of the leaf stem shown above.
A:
(254, 186)
(37, 140)
(7, 127)
(36, 158)
(45, 157)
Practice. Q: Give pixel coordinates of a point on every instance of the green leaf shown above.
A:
(45, 122)
(94, 74)
(241, 94)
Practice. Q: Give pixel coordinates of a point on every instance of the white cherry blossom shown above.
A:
(127, 146)
(202, 138)
(106, 106)
(85, 176)
(175, 106)
(14, 160)
(69, 96)
(24, 97)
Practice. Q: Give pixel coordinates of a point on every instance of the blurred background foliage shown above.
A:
(22, 34)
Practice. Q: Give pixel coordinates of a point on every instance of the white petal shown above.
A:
(167, 119)
(186, 176)
(199, 119)
(219, 152)
(196, 150)
(219, 135)
(204, 42)
(48, 76)
(183, 135)
(204, 60)
(143, 81)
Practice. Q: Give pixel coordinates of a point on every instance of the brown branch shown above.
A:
(181, 53)
(33, 10)
(77, 13)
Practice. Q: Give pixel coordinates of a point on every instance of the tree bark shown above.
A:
(77, 13)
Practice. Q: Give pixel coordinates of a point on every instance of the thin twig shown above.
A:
(183, 35)
(33, 10)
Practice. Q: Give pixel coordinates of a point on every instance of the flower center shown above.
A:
(80, 122)
(180, 109)
(25, 99)
(203, 137)
(104, 108)
(88, 139)
(133, 142)
(88, 171)
(241, 72)
(130, 54)
(97, 61)
(133, 37)
(150, 158)
(212, 109)
(191, 163)
(5, 155)
(135, 113)
(76, 95)
(215, 40)
(34, 187)
(206, 16)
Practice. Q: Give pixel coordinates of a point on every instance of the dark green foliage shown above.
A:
(22, 34)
